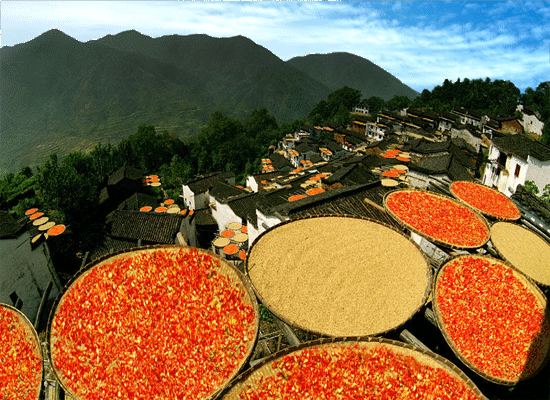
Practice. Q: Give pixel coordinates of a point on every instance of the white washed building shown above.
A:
(515, 159)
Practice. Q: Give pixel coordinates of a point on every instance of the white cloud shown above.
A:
(421, 54)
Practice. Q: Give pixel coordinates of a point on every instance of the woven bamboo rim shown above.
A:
(518, 244)
(31, 335)
(532, 287)
(226, 268)
(426, 236)
(291, 322)
(264, 369)
(456, 196)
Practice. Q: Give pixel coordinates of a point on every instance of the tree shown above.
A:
(375, 104)
(531, 187)
(327, 110)
(398, 102)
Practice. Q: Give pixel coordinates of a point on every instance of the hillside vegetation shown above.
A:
(61, 95)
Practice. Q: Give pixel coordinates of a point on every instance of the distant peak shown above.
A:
(55, 35)
(131, 33)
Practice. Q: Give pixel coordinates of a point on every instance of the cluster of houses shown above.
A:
(317, 170)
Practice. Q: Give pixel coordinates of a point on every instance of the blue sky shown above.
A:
(420, 42)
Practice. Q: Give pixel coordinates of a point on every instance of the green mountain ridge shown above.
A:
(336, 70)
(59, 95)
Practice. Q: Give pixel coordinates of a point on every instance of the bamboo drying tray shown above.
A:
(454, 245)
(339, 276)
(234, 277)
(31, 336)
(542, 340)
(524, 249)
(491, 192)
(249, 378)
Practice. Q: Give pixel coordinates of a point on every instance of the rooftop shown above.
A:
(9, 226)
(147, 226)
(522, 147)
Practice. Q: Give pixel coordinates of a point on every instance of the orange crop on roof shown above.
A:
(244, 229)
(239, 187)
(183, 212)
(297, 197)
(169, 201)
(160, 209)
(242, 255)
(155, 179)
(56, 230)
(146, 208)
(398, 171)
(191, 212)
(403, 159)
(263, 182)
(314, 191)
(315, 178)
(321, 175)
(228, 234)
(36, 215)
(390, 174)
(31, 211)
(231, 249)
(390, 155)
(153, 176)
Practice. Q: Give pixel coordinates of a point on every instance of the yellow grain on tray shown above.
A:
(524, 249)
(339, 276)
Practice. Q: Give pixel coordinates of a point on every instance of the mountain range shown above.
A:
(58, 94)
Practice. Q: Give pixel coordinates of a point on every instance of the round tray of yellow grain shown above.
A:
(339, 276)
(524, 249)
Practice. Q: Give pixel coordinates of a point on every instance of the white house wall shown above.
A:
(510, 183)
(489, 177)
(27, 272)
(252, 183)
(538, 172)
(188, 197)
(532, 124)
(224, 215)
(264, 222)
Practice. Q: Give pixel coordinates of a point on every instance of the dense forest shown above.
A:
(68, 189)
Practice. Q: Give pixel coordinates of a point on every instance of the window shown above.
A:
(518, 168)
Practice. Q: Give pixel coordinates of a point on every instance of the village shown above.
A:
(314, 171)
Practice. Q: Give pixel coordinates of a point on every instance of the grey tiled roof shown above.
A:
(148, 226)
(222, 191)
(9, 226)
(138, 200)
(522, 146)
(125, 171)
(205, 182)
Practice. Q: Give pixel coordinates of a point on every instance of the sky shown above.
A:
(422, 43)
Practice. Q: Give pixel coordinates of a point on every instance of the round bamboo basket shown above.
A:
(232, 275)
(269, 369)
(524, 249)
(339, 276)
(456, 243)
(481, 206)
(32, 337)
(539, 347)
